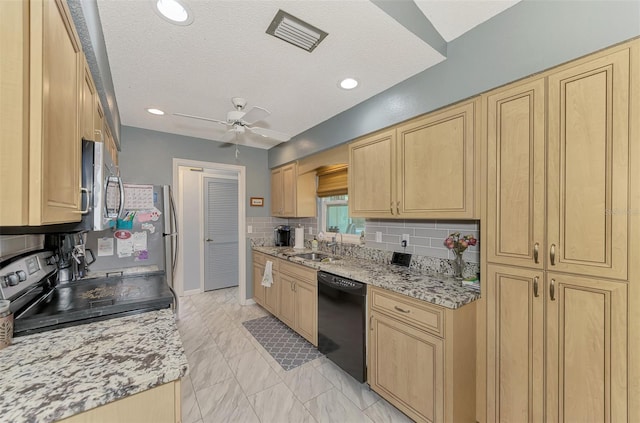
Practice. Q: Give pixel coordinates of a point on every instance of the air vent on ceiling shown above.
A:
(295, 31)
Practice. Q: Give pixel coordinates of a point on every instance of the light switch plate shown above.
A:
(378, 236)
(249, 229)
(405, 237)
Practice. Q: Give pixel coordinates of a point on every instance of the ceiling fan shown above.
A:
(239, 120)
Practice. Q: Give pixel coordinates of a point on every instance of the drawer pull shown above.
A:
(401, 309)
(392, 207)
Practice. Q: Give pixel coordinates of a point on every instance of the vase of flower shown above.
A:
(458, 244)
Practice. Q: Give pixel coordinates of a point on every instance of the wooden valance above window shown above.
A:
(332, 180)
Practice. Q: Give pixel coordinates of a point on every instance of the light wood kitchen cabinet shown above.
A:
(516, 174)
(422, 169)
(293, 297)
(372, 175)
(588, 167)
(304, 286)
(515, 347)
(422, 357)
(89, 98)
(161, 404)
(292, 195)
(287, 310)
(46, 82)
(266, 296)
(560, 331)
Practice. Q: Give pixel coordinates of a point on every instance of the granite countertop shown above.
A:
(52, 375)
(434, 288)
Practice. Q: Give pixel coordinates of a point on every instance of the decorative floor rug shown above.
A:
(288, 348)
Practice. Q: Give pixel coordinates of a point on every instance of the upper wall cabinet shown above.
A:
(292, 195)
(423, 169)
(43, 72)
(89, 99)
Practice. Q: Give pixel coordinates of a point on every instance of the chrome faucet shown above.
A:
(333, 243)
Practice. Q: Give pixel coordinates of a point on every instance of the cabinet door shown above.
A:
(14, 113)
(289, 174)
(56, 143)
(258, 289)
(287, 306)
(98, 120)
(277, 193)
(407, 368)
(586, 369)
(588, 168)
(88, 102)
(515, 344)
(372, 176)
(307, 311)
(516, 174)
(271, 296)
(437, 164)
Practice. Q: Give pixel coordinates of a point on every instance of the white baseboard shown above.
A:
(248, 301)
(191, 292)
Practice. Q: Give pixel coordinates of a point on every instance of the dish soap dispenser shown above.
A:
(314, 244)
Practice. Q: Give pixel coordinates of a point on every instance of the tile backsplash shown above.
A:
(426, 237)
(11, 245)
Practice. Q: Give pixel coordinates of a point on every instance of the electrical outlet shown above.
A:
(249, 229)
(310, 230)
(378, 236)
(405, 239)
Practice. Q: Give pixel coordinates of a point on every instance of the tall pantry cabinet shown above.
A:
(561, 292)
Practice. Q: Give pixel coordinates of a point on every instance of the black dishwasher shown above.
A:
(341, 322)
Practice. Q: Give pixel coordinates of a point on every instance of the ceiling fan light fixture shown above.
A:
(174, 11)
(348, 83)
(295, 31)
(156, 112)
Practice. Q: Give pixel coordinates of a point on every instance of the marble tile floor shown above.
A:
(233, 379)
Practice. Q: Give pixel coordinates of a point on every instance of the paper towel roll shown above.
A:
(299, 238)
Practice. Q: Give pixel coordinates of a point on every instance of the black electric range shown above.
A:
(40, 303)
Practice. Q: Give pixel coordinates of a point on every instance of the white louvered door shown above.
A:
(220, 233)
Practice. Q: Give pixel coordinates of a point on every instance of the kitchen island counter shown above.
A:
(52, 375)
(434, 288)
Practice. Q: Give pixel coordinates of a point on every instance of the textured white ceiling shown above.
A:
(226, 53)
(452, 18)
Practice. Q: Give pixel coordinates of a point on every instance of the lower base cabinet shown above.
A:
(422, 357)
(156, 405)
(293, 296)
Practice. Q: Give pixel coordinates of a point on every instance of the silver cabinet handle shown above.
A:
(535, 287)
(536, 250)
(552, 290)
(371, 323)
(295, 288)
(398, 207)
(86, 191)
(392, 207)
(552, 254)
(401, 309)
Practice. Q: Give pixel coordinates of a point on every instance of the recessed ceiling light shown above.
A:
(348, 83)
(174, 11)
(155, 112)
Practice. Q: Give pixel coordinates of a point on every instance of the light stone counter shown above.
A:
(52, 375)
(434, 288)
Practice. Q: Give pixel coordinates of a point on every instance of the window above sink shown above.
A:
(333, 218)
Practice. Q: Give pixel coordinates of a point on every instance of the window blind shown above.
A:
(332, 180)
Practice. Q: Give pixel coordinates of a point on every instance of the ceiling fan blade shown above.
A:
(255, 114)
(229, 136)
(202, 118)
(269, 133)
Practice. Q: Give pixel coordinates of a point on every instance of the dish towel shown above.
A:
(267, 278)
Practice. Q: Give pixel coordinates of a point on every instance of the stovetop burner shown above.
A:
(42, 305)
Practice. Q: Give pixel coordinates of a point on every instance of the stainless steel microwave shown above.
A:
(102, 195)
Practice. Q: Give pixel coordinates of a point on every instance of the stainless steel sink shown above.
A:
(316, 257)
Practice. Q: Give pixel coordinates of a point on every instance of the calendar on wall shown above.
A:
(138, 197)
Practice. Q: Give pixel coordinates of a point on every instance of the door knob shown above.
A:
(208, 240)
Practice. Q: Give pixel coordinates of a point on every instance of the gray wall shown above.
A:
(529, 37)
(147, 157)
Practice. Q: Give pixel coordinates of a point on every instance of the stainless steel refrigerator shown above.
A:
(145, 240)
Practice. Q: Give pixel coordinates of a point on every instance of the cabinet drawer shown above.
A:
(260, 258)
(300, 272)
(414, 312)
